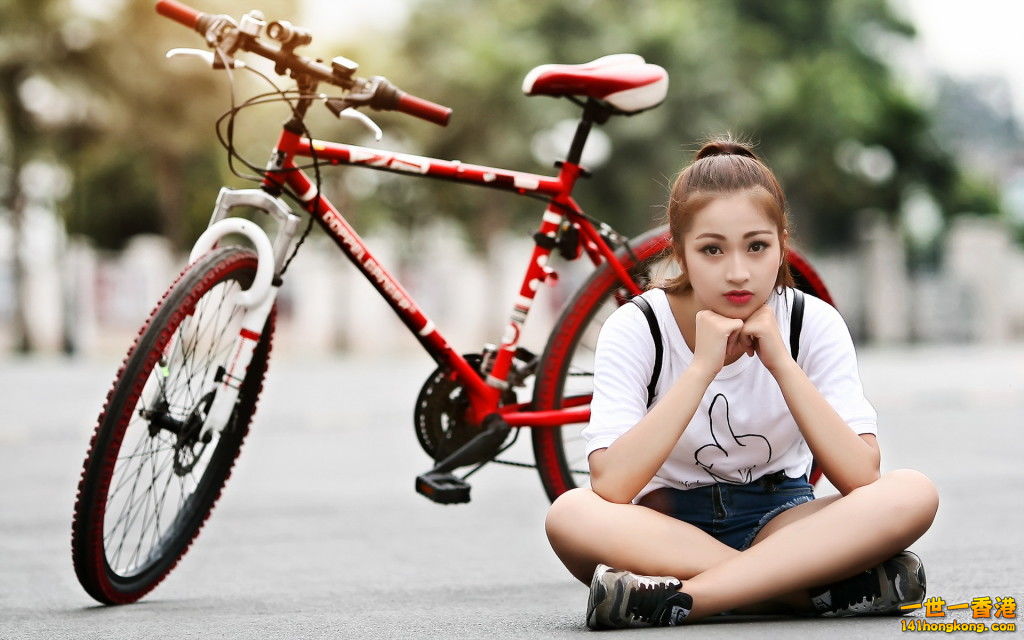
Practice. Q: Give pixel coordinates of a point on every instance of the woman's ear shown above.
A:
(677, 253)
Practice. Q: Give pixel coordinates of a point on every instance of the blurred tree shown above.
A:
(157, 146)
(974, 118)
(44, 62)
(808, 81)
(85, 86)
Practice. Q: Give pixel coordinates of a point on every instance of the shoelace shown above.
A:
(647, 599)
(856, 589)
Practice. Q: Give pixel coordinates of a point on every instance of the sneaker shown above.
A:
(621, 599)
(879, 591)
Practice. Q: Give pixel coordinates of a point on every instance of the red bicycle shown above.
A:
(181, 404)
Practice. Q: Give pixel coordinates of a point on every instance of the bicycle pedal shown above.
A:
(443, 488)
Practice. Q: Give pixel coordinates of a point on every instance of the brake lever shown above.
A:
(205, 55)
(359, 116)
(339, 107)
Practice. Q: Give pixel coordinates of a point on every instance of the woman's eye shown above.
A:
(758, 243)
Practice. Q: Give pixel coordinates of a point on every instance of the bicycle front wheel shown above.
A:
(150, 480)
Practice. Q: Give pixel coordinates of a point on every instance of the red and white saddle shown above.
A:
(623, 80)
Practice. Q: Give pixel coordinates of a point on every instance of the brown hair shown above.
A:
(722, 167)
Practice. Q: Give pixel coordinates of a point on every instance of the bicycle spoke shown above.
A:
(145, 479)
(127, 518)
(165, 479)
(578, 381)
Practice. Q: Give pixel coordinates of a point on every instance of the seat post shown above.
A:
(580, 139)
(593, 111)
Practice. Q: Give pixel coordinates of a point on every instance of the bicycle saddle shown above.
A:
(623, 80)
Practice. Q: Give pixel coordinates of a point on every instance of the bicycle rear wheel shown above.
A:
(149, 482)
(565, 373)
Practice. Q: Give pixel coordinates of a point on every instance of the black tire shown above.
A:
(124, 544)
(565, 368)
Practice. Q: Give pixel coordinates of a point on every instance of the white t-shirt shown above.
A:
(743, 428)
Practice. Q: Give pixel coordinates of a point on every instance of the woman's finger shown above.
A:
(731, 340)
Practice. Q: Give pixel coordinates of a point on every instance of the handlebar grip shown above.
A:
(430, 111)
(179, 12)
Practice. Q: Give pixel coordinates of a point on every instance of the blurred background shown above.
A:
(894, 127)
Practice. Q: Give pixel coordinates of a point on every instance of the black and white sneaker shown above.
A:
(621, 599)
(879, 591)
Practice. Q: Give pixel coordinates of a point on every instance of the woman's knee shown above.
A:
(913, 498)
(916, 489)
(567, 511)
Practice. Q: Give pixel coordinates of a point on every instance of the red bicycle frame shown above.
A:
(484, 395)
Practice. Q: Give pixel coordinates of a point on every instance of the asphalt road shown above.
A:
(320, 533)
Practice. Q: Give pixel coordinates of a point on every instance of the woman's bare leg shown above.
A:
(852, 533)
(584, 530)
(799, 600)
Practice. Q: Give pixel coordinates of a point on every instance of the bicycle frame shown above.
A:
(484, 395)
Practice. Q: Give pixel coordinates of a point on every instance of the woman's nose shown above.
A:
(738, 271)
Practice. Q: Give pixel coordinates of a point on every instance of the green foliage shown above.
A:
(803, 80)
(808, 82)
(117, 197)
(109, 216)
(140, 143)
(975, 195)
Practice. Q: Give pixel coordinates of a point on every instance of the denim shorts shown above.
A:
(732, 513)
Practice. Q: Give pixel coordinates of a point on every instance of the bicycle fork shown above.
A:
(257, 300)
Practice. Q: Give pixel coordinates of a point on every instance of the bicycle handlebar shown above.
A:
(425, 109)
(390, 96)
(179, 12)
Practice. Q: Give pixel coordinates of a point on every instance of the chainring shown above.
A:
(440, 416)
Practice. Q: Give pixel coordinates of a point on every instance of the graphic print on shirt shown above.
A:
(751, 447)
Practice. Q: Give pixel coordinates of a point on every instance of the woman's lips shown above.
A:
(740, 298)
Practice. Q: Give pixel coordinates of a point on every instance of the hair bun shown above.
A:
(725, 148)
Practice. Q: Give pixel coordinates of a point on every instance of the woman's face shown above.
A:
(732, 246)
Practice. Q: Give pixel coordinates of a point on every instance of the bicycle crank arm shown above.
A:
(440, 485)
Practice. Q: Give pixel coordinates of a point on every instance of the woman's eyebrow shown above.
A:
(721, 237)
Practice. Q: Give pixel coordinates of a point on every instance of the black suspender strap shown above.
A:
(796, 321)
(652, 321)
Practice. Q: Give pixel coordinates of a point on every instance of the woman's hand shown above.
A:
(761, 335)
(717, 336)
(720, 338)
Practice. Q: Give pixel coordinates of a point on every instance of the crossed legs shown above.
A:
(814, 543)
